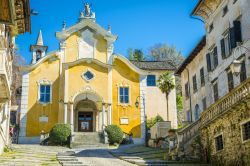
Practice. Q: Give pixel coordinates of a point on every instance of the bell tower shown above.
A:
(38, 50)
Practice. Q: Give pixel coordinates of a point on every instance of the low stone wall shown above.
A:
(235, 151)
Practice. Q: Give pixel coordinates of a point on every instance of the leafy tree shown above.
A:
(163, 52)
(135, 54)
(166, 84)
(151, 122)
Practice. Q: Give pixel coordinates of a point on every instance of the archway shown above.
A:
(86, 116)
(88, 112)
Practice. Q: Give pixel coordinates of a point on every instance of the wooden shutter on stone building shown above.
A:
(209, 66)
(215, 56)
(223, 51)
(235, 34)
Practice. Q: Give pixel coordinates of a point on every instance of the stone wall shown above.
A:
(235, 151)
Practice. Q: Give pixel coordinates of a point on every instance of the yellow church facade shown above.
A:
(83, 84)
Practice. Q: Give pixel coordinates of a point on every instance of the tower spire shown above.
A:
(40, 39)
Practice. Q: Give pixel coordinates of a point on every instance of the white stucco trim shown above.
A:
(66, 85)
(43, 59)
(110, 93)
(86, 23)
(24, 105)
(132, 66)
(86, 60)
(44, 82)
(143, 85)
(85, 71)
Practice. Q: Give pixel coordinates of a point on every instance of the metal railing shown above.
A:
(226, 102)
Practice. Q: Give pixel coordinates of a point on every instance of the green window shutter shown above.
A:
(223, 51)
(209, 67)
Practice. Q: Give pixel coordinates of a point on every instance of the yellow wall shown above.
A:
(123, 75)
(72, 48)
(50, 71)
(99, 83)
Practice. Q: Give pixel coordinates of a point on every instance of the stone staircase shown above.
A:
(87, 140)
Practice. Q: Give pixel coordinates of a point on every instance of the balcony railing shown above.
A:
(189, 132)
(226, 103)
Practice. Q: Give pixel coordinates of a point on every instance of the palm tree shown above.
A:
(166, 84)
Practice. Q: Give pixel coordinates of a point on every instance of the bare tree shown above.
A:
(163, 52)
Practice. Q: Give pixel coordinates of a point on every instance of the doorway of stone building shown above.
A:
(85, 121)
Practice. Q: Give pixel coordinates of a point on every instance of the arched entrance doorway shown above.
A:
(86, 116)
(87, 112)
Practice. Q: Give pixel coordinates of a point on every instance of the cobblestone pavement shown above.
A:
(31, 155)
(99, 157)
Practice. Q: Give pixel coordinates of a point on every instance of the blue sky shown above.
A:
(138, 23)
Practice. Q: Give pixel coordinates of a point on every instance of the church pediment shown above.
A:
(86, 60)
(86, 24)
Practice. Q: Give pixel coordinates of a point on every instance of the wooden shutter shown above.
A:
(237, 31)
(223, 51)
(209, 67)
(215, 56)
(232, 38)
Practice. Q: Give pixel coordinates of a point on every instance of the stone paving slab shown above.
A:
(31, 155)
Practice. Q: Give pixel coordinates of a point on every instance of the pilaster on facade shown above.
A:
(143, 85)
(24, 104)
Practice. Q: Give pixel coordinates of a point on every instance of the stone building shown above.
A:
(86, 85)
(14, 20)
(220, 108)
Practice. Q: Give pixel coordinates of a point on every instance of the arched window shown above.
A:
(38, 55)
(197, 112)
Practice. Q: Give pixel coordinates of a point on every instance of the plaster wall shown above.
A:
(236, 11)
(193, 68)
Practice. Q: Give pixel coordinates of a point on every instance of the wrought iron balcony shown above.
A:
(226, 103)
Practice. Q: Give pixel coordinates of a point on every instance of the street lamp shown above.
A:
(236, 64)
(144, 112)
(236, 67)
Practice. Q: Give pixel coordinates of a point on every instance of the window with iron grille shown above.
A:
(230, 80)
(246, 131)
(219, 142)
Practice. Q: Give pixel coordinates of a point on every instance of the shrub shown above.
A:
(60, 134)
(151, 122)
(115, 134)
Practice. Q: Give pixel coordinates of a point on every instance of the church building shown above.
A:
(85, 84)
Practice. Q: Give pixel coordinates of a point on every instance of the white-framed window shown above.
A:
(45, 94)
(124, 95)
(44, 91)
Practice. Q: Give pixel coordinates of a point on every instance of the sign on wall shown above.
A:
(123, 121)
(43, 119)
